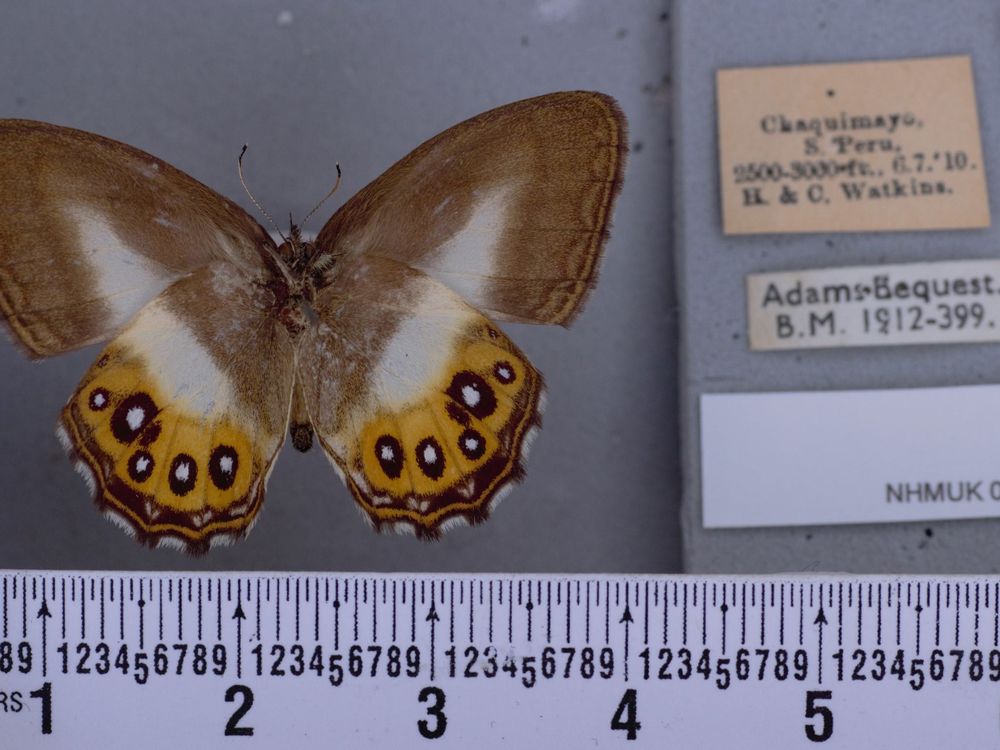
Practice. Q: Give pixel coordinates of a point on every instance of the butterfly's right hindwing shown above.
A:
(178, 421)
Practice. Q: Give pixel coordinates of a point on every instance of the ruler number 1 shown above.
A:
(825, 715)
(45, 693)
(232, 730)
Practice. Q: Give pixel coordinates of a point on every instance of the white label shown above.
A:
(917, 303)
(810, 458)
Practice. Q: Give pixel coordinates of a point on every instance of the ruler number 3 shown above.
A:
(436, 709)
(825, 729)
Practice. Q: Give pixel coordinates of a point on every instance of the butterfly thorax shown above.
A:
(296, 252)
(293, 288)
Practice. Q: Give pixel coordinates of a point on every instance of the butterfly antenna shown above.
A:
(325, 198)
(239, 164)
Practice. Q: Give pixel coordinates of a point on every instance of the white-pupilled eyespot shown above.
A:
(389, 453)
(504, 372)
(132, 415)
(183, 474)
(473, 393)
(472, 444)
(223, 465)
(430, 458)
(140, 466)
(98, 399)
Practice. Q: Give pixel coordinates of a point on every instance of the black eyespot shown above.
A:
(472, 444)
(132, 414)
(473, 393)
(140, 466)
(389, 453)
(99, 399)
(430, 457)
(504, 372)
(183, 474)
(222, 466)
(457, 414)
(149, 434)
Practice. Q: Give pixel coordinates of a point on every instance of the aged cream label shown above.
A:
(914, 303)
(805, 458)
(865, 146)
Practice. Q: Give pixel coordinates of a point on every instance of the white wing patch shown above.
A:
(192, 379)
(126, 278)
(419, 350)
(473, 248)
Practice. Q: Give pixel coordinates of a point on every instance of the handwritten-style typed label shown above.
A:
(867, 146)
(914, 303)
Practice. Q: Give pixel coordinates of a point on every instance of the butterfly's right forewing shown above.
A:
(92, 229)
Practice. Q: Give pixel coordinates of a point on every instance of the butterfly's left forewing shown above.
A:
(178, 421)
(422, 403)
(510, 209)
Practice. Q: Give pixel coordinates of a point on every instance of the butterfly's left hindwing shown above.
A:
(178, 421)
(423, 404)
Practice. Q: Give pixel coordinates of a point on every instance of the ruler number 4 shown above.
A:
(823, 713)
(625, 716)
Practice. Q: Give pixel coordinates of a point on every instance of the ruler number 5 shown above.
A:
(825, 730)
(232, 730)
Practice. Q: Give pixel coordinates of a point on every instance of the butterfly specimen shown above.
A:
(376, 340)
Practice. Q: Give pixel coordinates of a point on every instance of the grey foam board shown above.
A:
(308, 83)
(711, 267)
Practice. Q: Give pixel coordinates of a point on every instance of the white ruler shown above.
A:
(261, 660)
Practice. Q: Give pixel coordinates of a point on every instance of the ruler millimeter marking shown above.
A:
(262, 660)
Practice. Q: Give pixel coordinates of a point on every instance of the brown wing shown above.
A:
(509, 209)
(180, 418)
(422, 404)
(92, 229)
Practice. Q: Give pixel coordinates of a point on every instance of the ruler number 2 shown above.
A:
(232, 730)
(825, 730)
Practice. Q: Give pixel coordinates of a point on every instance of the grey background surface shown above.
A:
(711, 267)
(308, 84)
